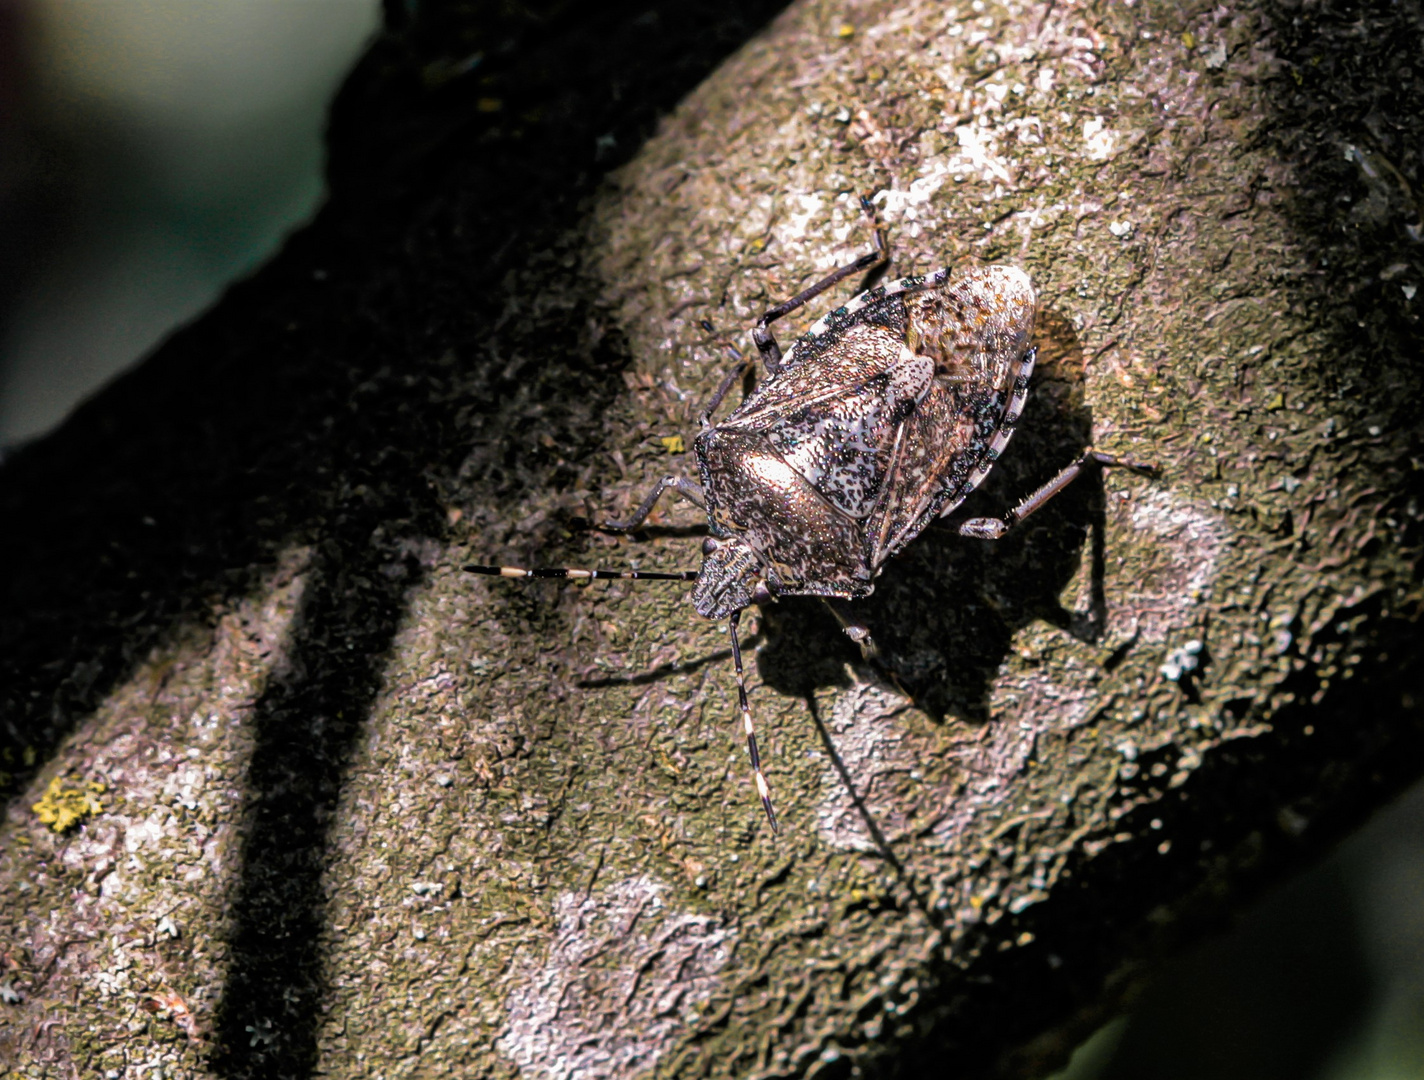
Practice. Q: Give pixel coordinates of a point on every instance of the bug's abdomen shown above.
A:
(752, 492)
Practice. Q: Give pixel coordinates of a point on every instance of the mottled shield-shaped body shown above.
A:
(883, 416)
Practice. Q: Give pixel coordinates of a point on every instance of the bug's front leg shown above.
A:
(704, 418)
(761, 333)
(986, 528)
(682, 485)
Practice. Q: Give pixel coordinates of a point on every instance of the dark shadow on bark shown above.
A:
(306, 725)
(1349, 118)
(665, 671)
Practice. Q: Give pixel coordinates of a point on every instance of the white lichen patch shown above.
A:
(977, 155)
(801, 209)
(978, 149)
(869, 738)
(908, 203)
(1187, 538)
(622, 971)
(1059, 703)
(1099, 141)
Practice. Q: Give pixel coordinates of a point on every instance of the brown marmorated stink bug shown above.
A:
(881, 418)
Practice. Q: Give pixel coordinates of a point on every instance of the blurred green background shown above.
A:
(153, 150)
(150, 152)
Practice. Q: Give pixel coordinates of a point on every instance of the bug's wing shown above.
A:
(976, 329)
(836, 421)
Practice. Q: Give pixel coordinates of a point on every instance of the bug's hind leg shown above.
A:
(763, 789)
(986, 528)
(761, 333)
(681, 484)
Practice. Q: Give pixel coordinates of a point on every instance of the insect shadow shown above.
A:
(945, 611)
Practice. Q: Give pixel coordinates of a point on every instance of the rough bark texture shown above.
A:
(363, 814)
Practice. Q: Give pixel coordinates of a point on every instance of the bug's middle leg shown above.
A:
(987, 528)
(858, 632)
(854, 629)
(682, 485)
(761, 333)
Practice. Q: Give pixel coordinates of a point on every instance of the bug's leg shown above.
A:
(992, 528)
(858, 632)
(854, 629)
(763, 789)
(761, 333)
(580, 575)
(681, 484)
(728, 381)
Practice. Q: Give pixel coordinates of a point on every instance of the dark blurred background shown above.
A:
(153, 150)
(150, 152)
(1321, 980)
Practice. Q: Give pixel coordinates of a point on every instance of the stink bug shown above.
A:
(881, 418)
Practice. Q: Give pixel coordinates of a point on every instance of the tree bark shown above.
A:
(361, 813)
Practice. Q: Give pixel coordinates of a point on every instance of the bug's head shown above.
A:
(731, 578)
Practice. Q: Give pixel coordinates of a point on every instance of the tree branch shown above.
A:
(366, 814)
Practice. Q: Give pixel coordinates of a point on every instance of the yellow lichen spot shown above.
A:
(1276, 402)
(845, 30)
(1189, 39)
(1026, 938)
(489, 104)
(668, 764)
(673, 444)
(62, 808)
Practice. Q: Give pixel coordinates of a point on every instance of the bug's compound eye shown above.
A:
(710, 545)
(761, 594)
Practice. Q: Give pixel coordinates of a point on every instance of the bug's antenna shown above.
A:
(763, 789)
(581, 575)
(732, 351)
